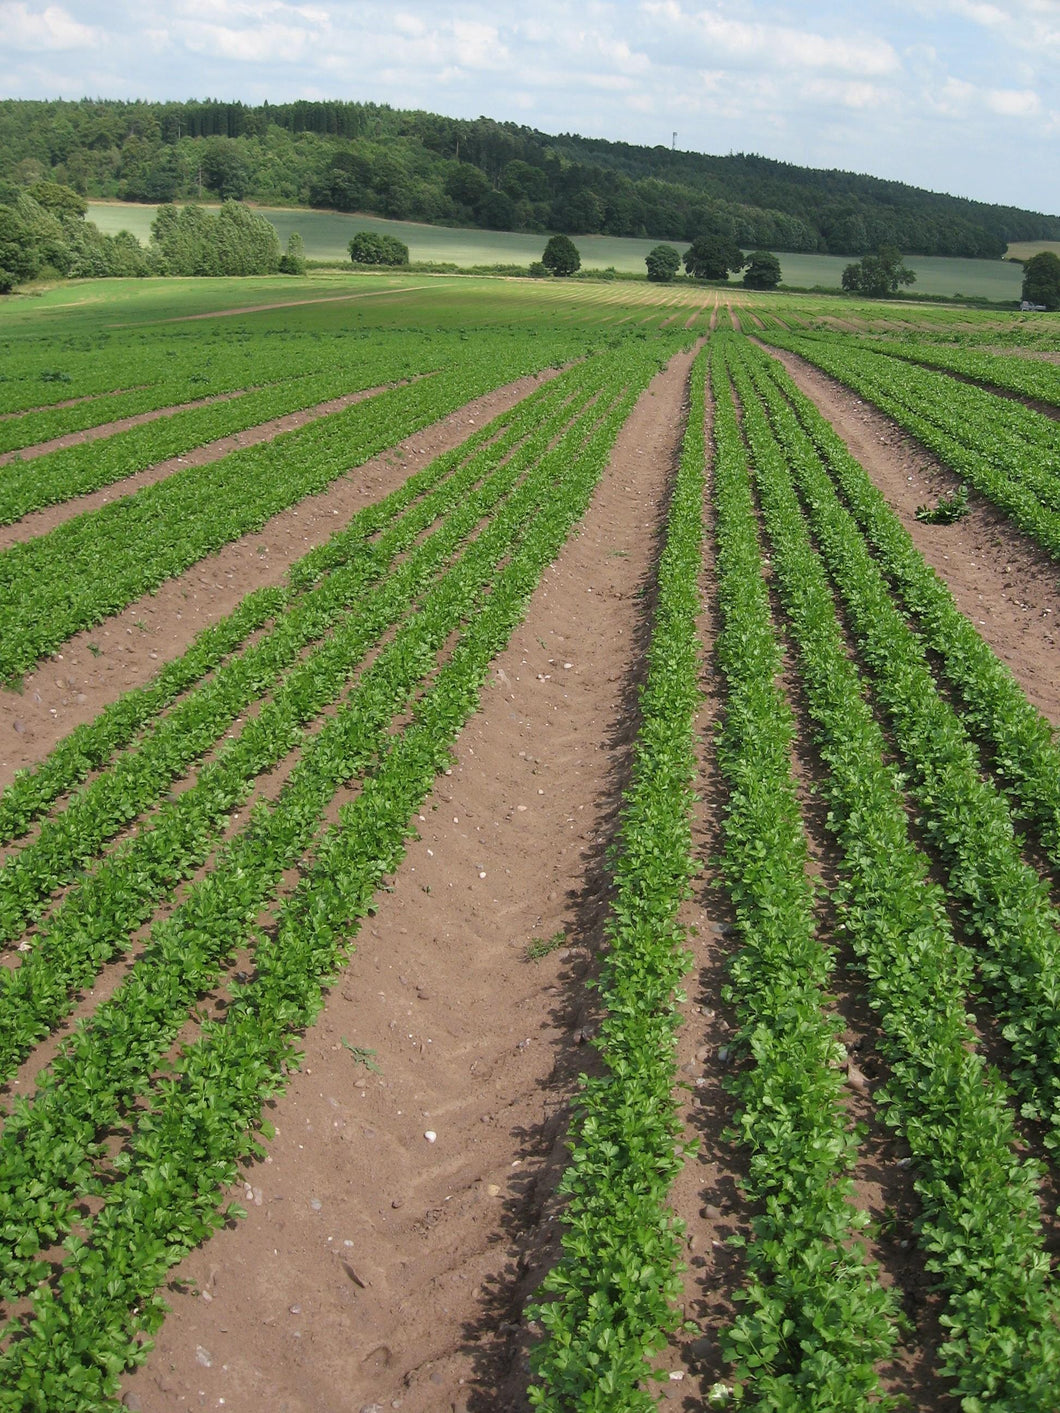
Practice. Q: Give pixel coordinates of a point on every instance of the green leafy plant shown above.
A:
(948, 509)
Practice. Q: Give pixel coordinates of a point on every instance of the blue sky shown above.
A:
(955, 95)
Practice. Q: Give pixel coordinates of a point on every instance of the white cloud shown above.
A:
(1013, 103)
(769, 45)
(49, 29)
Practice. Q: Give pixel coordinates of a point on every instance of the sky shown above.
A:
(959, 96)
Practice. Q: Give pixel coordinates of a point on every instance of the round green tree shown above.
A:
(369, 248)
(663, 264)
(1041, 280)
(763, 270)
(561, 256)
(711, 257)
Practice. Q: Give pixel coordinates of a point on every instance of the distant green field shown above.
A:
(327, 234)
(1024, 249)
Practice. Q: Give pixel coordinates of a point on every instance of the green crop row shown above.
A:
(161, 376)
(95, 916)
(979, 1225)
(92, 566)
(1004, 904)
(89, 746)
(816, 1319)
(612, 1291)
(1032, 378)
(162, 1193)
(964, 426)
(126, 1037)
(62, 475)
(1023, 750)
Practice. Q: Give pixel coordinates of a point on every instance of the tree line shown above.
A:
(44, 232)
(480, 173)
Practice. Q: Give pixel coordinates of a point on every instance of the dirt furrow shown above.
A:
(999, 578)
(379, 1263)
(127, 650)
(39, 522)
(108, 429)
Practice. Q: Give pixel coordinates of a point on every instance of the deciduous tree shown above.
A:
(878, 275)
(1041, 279)
(561, 256)
(663, 264)
(371, 248)
(763, 270)
(711, 257)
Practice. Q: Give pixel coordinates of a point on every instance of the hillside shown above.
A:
(480, 173)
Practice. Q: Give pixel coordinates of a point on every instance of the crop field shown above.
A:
(529, 849)
(327, 236)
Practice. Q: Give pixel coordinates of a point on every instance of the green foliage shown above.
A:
(429, 584)
(879, 275)
(1041, 279)
(763, 270)
(712, 256)
(400, 164)
(561, 256)
(663, 264)
(815, 1318)
(60, 200)
(949, 509)
(1005, 451)
(612, 1294)
(20, 253)
(234, 241)
(371, 248)
(292, 261)
(979, 1227)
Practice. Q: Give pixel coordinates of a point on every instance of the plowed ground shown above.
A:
(406, 1209)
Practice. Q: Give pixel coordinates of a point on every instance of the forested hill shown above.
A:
(424, 167)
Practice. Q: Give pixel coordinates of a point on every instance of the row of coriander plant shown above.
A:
(612, 1291)
(1022, 747)
(816, 1319)
(184, 1148)
(126, 1036)
(979, 1227)
(1003, 904)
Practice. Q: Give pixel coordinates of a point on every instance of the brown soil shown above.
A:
(377, 1264)
(39, 522)
(127, 650)
(405, 1213)
(106, 429)
(1000, 579)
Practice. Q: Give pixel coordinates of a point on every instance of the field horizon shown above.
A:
(326, 235)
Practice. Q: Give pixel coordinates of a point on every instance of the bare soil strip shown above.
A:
(1008, 587)
(39, 522)
(108, 429)
(66, 402)
(277, 304)
(377, 1263)
(127, 650)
